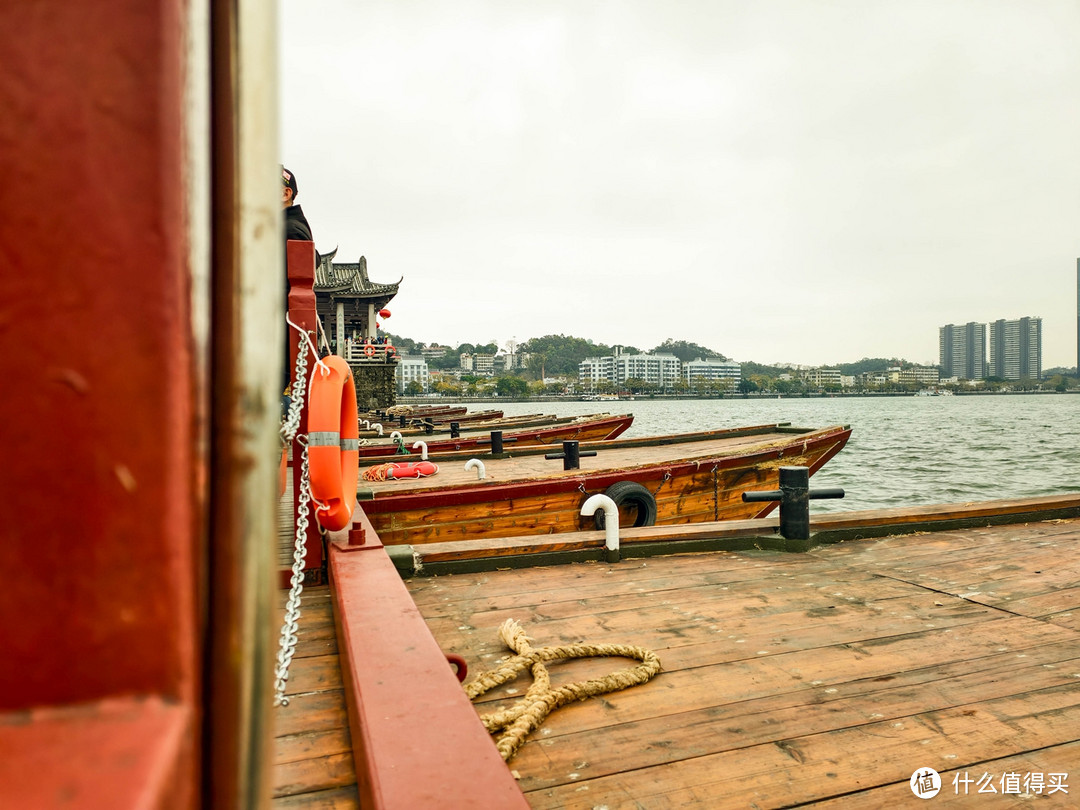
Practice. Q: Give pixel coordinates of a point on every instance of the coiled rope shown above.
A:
(378, 472)
(518, 721)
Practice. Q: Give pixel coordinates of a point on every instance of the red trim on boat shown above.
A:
(404, 699)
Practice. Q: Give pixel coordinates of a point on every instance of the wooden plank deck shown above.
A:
(313, 761)
(823, 678)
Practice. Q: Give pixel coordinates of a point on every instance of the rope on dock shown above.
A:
(518, 721)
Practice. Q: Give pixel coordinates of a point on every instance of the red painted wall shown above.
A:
(101, 519)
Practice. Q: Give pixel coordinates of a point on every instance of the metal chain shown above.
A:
(291, 424)
(664, 480)
(290, 625)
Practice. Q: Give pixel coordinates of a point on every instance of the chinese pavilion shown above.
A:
(348, 305)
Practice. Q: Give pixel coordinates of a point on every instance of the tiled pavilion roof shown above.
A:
(350, 280)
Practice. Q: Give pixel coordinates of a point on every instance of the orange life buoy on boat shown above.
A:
(369, 350)
(412, 469)
(400, 469)
(333, 442)
(283, 472)
(390, 350)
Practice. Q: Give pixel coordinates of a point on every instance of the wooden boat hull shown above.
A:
(582, 430)
(691, 481)
(478, 426)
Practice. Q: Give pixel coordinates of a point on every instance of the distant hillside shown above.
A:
(554, 355)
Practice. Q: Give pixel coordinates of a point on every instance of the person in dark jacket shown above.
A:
(296, 224)
(296, 227)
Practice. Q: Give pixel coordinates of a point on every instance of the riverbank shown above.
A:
(609, 403)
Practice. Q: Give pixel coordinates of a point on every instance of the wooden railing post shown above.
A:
(300, 257)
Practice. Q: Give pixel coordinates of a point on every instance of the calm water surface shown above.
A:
(904, 451)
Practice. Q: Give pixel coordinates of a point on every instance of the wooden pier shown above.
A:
(313, 762)
(824, 678)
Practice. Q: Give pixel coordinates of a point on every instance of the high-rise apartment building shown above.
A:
(661, 370)
(962, 351)
(1016, 349)
(712, 369)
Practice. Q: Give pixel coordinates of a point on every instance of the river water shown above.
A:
(903, 451)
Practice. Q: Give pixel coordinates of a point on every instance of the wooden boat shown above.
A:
(478, 426)
(438, 417)
(687, 478)
(585, 428)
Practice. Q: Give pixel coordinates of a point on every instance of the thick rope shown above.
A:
(379, 472)
(517, 722)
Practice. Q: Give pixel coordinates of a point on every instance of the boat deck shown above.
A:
(313, 759)
(620, 455)
(823, 678)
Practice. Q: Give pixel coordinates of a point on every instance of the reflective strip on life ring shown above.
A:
(333, 442)
(412, 469)
(369, 350)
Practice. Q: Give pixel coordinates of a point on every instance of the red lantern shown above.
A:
(384, 313)
(378, 325)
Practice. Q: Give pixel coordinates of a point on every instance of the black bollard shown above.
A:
(455, 430)
(496, 442)
(571, 455)
(401, 420)
(794, 496)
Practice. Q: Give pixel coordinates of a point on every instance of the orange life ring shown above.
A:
(369, 350)
(412, 469)
(333, 442)
(390, 351)
(283, 472)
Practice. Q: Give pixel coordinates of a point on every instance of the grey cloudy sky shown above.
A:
(809, 181)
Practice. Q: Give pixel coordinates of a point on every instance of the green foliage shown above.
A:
(511, 387)
(771, 372)
(449, 359)
(414, 389)
(561, 354)
(686, 351)
(1061, 382)
(869, 364)
(448, 388)
(477, 348)
(404, 345)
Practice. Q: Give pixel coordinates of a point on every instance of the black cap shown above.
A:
(289, 179)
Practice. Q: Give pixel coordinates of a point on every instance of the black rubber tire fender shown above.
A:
(630, 493)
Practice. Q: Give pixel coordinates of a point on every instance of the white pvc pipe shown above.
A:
(423, 449)
(378, 428)
(367, 424)
(396, 435)
(478, 465)
(611, 518)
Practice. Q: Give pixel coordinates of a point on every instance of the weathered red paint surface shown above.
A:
(300, 264)
(100, 756)
(404, 699)
(101, 520)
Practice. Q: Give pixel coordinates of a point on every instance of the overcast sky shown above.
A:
(811, 181)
